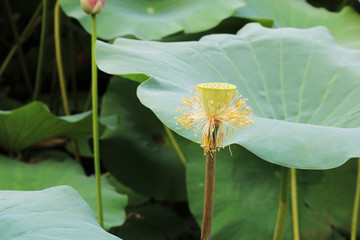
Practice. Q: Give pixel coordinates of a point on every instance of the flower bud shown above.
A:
(92, 6)
(214, 96)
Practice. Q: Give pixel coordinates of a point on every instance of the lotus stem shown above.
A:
(19, 48)
(88, 102)
(61, 71)
(175, 145)
(7, 59)
(96, 121)
(209, 192)
(40, 65)
(294, 204)
(72, 67)
(25, 33)
(354, 222)
(283, 203)
(59, 59)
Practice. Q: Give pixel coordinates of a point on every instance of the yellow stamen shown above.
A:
(214, 106)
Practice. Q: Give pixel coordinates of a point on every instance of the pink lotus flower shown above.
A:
(92, 6)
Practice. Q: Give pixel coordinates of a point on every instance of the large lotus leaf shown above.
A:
(55, 213)
(149, 19)
(15, 175)
(303, 88)
(344, 25)
(247, 192)
(229, 25)
(32, 123)
(135, 147)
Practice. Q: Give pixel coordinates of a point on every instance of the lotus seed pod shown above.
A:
(214, 96)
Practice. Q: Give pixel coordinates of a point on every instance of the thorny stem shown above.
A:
(284, 198)
(342, 4)
(209, 192)
(53, 92)
(96, 121)
(61, 70)
(88, 102)
(32, 23)
(40, 65)
(58, 57)
(294, 205)
(18, 48)
(7, 59)
(72, 67)
(175, 145)
(356, 205)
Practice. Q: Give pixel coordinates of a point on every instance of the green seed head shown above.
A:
(216, 95)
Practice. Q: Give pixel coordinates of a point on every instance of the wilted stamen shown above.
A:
(214, 107)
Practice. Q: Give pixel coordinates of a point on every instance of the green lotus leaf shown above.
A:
(15, 175)
(230, 25)
(344, 25)
(54, 213)
(302, 86)
(247, 196)
(149, 19)
(32, 123)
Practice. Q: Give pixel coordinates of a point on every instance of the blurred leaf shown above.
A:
(344, 25)
(135, 148)
(84, 144)
(302, 86)
(55, 213)
(148, 19)
(337, 236)
(32, 123)
(247, 195)
(38, 156)
(16, 175)
(134, 197)
(52, 142)
(151, 222)
(330, 194)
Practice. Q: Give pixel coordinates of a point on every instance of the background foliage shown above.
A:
(302, 84)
